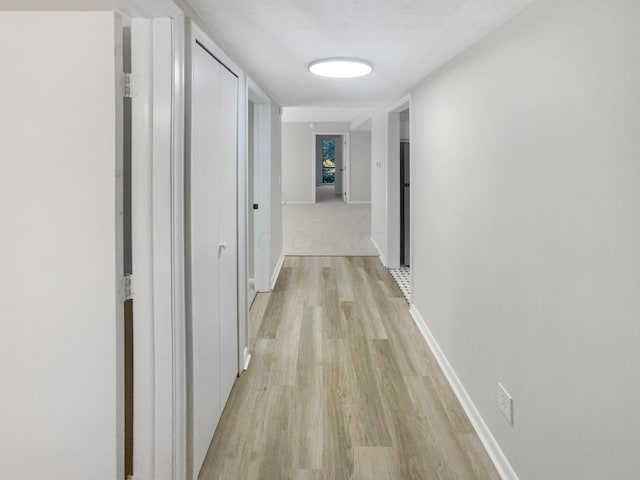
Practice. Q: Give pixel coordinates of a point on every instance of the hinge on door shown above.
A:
(126, 82)
(128, 290)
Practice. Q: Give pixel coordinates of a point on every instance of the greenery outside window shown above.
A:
(328, 161)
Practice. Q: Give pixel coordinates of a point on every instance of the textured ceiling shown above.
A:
(405, 40)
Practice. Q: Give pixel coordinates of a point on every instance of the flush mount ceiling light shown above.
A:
(340, 67)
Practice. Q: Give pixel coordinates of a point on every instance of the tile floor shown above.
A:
(402, 276)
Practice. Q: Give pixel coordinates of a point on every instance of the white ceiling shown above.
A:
(321, 114)
(405, 40)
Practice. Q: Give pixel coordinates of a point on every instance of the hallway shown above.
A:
(341, 386)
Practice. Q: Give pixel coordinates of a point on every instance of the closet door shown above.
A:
(213, 256)
(229, 227)
(204, 226)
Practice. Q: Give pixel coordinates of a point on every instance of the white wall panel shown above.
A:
(360, 169)
(276, 188)
(379, 181)
(60, 249)
(297, 163)
(526, 181)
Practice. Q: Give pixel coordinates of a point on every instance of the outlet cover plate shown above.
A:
(505, 403)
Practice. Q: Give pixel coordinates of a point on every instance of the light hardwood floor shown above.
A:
(341, 386)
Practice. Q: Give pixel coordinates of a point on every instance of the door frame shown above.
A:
(346, 164)
(262, 179)
(392, 192)
(158, 220)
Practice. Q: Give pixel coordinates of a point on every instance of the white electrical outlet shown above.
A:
(505, 403)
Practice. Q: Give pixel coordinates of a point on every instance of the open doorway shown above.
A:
(327, 225)
(405, 192)
(327, 160)
(399, 196)
(330, 167)
(258, 191)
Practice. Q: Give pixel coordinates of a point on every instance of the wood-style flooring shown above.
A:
(341, 386)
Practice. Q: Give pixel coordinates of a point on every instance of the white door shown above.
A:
(212, 258)
(61, 297)
(204, 225)
(340, 165)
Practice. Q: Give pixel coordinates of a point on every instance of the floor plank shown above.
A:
(341, 386)
(375, 463)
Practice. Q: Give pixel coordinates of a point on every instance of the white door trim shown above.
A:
(242, 217)
(178, 251)
(392, 191)
(142, 247)
(262, 174)
(158, 97)
(346, 164)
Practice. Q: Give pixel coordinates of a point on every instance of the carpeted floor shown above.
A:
(328, 228)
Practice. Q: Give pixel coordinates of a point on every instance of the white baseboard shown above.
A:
(383, 258)
(276, 271)
(297, 203)
(357, 202)
(247, 358)
(499, 459)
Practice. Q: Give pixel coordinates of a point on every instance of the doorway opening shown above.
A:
(405, 205)
(328, 161)
(399, 196)
(127, 241)
(330, 166)
(402, 275)
(259, 190)
(405, 192)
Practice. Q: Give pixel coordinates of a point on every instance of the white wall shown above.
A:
(61, 252)
(405, 129)
(296, 162)
(297, 150)
(320, 114)
(360, 169)
(527, 260)
(58, 5)
(276, 187)
(379, 181)
(251, 176)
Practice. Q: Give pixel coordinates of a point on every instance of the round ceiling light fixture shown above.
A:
(340, 67)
